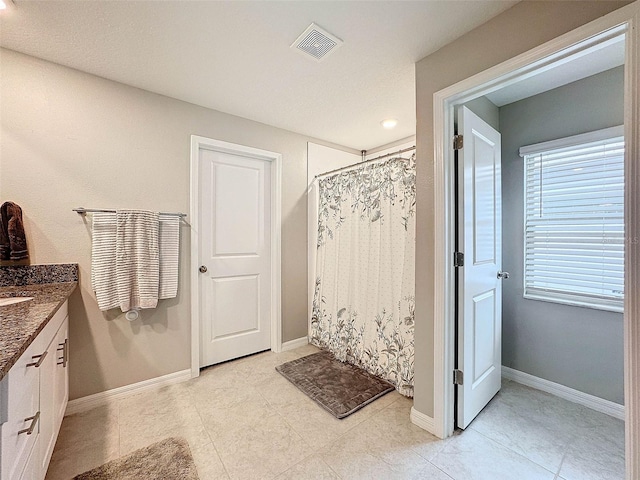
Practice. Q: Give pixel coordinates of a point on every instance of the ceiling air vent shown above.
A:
(316, 42)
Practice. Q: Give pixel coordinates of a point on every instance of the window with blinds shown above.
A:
(574, 220)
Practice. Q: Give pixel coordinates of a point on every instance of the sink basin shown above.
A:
(13, 300)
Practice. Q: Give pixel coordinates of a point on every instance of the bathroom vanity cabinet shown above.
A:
(33, 399)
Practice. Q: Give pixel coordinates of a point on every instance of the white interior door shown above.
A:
(480, 291)
(235, 255)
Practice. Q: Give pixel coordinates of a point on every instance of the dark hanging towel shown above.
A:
(13, 242)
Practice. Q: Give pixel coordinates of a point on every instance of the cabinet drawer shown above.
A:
(25, 372)
(49, 331)
(21, 373)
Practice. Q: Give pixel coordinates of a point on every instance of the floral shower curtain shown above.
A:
(364, 300)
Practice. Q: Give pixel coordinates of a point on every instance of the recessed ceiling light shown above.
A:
(389, 123)
(3, 5)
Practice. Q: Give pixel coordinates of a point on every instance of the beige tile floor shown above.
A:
(245, 421)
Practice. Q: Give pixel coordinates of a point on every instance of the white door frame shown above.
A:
(198, 143)
(558, 50)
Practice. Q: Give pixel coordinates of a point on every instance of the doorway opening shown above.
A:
(551, 55)
(541, 195)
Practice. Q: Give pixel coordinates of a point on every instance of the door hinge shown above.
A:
(458, 259)
(457, 142)
(457, 377)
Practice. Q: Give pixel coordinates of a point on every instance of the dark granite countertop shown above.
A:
(22, 322)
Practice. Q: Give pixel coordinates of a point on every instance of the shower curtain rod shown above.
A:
(366, 161)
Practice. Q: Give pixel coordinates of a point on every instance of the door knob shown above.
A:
(502, 275)
(202, 269)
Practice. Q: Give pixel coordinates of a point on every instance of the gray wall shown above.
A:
(518, 29)
(485, 109)
(71, 139)
(581, 348)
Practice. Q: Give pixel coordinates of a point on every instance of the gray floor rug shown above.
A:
(340, 388)
(169, 459)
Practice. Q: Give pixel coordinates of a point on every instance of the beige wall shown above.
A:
(71, 139)
(521, 28)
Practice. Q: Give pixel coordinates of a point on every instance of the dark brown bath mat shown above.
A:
(340, 388)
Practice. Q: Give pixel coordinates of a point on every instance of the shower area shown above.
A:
(361, 254)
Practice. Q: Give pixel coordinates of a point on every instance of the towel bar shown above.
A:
(82, 211)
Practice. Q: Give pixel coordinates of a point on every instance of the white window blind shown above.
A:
(574, 220)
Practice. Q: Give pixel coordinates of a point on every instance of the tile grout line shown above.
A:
(281, 415)
(566, 451)
(306, 458)
(436, 466)
(332, 470)
(278, 412)
(361, 422)
(510, 448)
(334, 441)
(284, 419)
(346, 431)
(512, 451)
(444, 444)
(213, 444)
(367, 418)
(273, 407)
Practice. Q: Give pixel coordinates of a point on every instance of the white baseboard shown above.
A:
(91, 401)
(595, 403)
(423, 421)
(291, 344)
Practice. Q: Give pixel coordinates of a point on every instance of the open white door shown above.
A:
(479, 279)
(235, 279)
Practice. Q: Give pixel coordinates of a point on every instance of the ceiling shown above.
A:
(234, 56)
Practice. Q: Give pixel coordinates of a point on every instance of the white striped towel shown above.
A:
(137, 259)
(169, 240)
(103, 260)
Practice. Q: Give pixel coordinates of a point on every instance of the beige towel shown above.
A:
(103, 260)
(137, 259)
(169, 241)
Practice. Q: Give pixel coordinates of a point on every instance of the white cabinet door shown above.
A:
(61, 382)
(53, 395)
(32, 469)
(47, 427)
(480, 238)
(20, 390)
